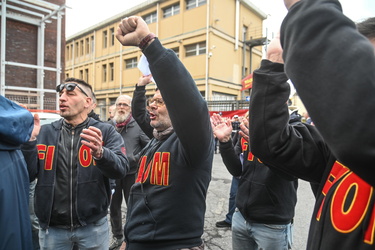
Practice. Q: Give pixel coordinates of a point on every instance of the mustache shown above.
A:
(121, 116)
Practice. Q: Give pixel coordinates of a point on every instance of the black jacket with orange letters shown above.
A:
(264, 195)
(343, 216)
(69, 177)
(332, 67)
(166, 205)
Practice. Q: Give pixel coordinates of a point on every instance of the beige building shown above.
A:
(213, 38)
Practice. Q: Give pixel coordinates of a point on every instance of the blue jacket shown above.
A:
(16, 124)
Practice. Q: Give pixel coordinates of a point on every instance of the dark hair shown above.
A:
(93, 96)
(83, 83)
(367, 27)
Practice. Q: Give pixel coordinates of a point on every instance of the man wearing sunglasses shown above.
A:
(74, 159)
(166, 205)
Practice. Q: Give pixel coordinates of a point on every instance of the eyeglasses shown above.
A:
(158, 101)
(122, 105)
(69, 87)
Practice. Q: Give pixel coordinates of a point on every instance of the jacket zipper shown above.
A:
(54, 182)
(71, 181)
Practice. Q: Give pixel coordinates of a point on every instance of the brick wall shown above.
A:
(22, 47)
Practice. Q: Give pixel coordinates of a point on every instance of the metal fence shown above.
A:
(227, 105)
(31, 101)
(50, 103)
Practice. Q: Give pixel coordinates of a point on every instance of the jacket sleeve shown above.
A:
(30, 153)
(144, 139)
(139, 112)
(298, 150)
(332, 67)
(231, 158)
(186, 107)
(114, 164)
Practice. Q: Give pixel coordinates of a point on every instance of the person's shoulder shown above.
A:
(99, 124)
(105, 127)
(55, 125)
(111, 122)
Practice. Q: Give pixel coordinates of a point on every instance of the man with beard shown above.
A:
(167, 201)
(135, 140)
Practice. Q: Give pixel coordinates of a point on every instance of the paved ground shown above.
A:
(217, 206)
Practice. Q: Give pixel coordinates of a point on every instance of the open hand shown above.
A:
(274, 50)
(93, 139)
(144, 80)
(36, 128)
(244, 132)
(222, 130)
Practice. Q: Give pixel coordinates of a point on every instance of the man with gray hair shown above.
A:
(135, 140)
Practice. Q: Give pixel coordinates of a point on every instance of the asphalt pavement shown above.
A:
(217, 207)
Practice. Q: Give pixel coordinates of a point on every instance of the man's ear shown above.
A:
(88, 102)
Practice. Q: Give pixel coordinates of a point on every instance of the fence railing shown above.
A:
(227, 105)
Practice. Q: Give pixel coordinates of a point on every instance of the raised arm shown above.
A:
(139, 112)
(223, 130)
(332, 67)
(296, 149)
(187, 109)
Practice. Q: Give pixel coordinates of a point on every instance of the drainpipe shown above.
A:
(207, 49)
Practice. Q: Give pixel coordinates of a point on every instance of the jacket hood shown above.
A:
(16, 124)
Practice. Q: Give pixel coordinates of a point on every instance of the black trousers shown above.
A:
(122, 188)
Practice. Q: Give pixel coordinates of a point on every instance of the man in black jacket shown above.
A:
(265, 199)
(167, 202)
(73, 160)
(338, 152)
(135, 140)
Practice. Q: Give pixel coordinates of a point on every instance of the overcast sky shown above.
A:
(84, 14)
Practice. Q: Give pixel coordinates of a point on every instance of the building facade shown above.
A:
(32, 46)
(211, 37)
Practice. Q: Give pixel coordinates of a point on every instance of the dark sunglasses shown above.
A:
(69, 87)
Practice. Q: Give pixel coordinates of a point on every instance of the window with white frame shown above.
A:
(177, 51)
(87, 45)
(195, 49)
(131, 63)
(92, 44)
(104, 72)
(171, 10)
(191, 4)
(67, 52)
(77, 49)
(150, 18)
(111, 72)
(81, 48)
(87, 75)
(217, 96)
(112, 31)
(105, 39)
